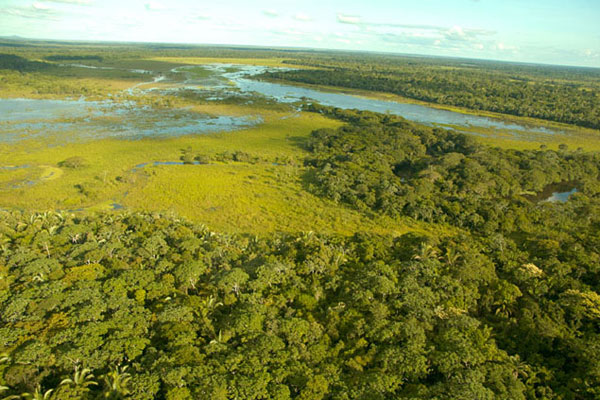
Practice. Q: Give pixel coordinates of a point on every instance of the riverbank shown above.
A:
(588, 139)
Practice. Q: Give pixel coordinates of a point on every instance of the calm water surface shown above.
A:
(414, 112)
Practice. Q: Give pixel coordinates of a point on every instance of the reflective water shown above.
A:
(561, 197)
(556, 192)
(237, 81)
(79, 119)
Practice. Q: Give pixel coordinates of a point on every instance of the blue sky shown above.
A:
(541, 31)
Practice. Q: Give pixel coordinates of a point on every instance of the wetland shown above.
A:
(123, 116)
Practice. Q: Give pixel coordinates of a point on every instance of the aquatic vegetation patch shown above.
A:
(73, 120)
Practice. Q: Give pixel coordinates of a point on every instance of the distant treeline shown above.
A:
(17, 63)
(73, 58)
(561, 94)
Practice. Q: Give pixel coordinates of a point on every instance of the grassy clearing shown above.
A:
(591, 143)
(36, 86)
(234, 197)
(240, 197)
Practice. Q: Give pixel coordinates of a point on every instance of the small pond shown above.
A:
(556, 193)
(561, 197)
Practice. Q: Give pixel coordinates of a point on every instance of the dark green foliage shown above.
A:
(384, 163)
(146, 306)
(202, 158)
(503, 305)
(73, 57)
(14, 62)
(238, 156)
(73, 162)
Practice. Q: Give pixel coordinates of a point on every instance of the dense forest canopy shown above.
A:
(194, 314)
(143, 306)
(563, 94)
(385, 163)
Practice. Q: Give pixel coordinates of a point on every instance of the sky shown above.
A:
(537, 31)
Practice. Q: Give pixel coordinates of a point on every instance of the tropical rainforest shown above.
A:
(437, 269)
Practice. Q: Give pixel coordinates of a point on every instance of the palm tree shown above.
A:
(82, 379)
(451, 257)
(425, 252)
(38, 394)
(4, 358)
(521, 368)
(13, 397)
(5, 388)
(117, 381)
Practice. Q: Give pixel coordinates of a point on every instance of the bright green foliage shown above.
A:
(117, 383)
(38, 394)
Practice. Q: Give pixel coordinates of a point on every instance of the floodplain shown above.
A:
(72, 140)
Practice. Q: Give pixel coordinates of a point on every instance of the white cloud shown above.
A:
(201, 17)
(37, 10)
(348, 19)
(76, 2)
(302, 17)
(154, 6)
(455, 33)
(271, 13)
(41, 6)
(458, 33)
(501, 46)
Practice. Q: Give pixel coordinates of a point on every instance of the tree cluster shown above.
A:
(543, 92)
(387, 164)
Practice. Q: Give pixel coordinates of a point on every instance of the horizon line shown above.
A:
(296, 48)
